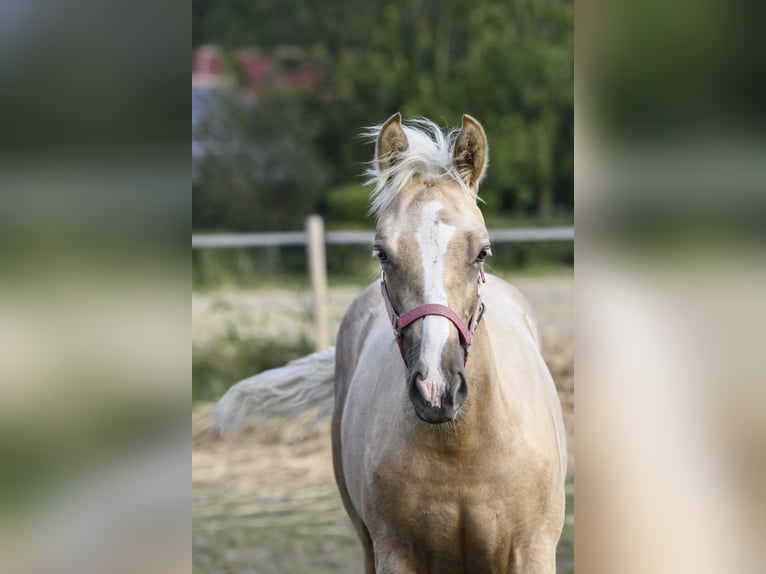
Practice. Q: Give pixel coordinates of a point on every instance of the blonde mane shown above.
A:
(428, 155)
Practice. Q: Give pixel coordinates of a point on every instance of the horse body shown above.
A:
(472, 478)
(446, 461)
(481, 494)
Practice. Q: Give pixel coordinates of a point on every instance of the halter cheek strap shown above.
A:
(399, 323)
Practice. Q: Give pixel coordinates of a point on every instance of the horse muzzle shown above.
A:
(437, 397)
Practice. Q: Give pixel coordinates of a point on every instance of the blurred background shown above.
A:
(669, 145)
(280, 94)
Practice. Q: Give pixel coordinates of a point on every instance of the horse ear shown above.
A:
(391, 141)
(470, 153)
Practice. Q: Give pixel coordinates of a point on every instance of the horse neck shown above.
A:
(483, 380)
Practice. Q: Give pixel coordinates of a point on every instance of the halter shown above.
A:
(400, 322)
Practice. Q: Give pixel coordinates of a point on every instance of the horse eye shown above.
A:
(380, 254)
(483, 254)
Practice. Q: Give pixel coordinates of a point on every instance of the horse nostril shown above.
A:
(460, 389)
(415, 395)
(419, 371)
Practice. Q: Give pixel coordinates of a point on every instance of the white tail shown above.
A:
(299, 385)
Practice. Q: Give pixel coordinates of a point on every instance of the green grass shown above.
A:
(565, 549)
(307, 546)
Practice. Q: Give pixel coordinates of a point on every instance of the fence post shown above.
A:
(315, 248)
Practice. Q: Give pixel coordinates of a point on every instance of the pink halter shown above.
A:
(466, 332)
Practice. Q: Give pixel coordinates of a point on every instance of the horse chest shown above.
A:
(440, 513)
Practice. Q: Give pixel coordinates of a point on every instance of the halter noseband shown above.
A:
(400, 322)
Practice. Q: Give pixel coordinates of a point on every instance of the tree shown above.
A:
(256, 171)
(509, 64)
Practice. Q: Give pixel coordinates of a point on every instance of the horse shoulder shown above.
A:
(521, 332)
(360, 356)
(357, 325)
(363, 312)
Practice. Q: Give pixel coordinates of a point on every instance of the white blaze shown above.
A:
(433, 236)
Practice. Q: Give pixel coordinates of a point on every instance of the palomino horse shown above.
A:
(446, 461)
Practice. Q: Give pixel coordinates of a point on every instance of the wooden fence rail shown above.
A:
(279, 238)
(314, 237)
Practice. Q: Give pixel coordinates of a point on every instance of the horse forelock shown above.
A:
(429, 155)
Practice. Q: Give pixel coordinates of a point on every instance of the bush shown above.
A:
(346, 206)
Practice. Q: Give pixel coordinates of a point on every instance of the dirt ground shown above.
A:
(265, 500)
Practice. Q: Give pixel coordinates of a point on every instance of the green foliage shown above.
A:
(258, 174)
(531, 258)
(509, 64)
(222, 362)
(346, 205)
(248, 267)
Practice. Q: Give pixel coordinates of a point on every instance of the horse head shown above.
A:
(431, 241)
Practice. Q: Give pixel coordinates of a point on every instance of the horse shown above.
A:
(448, 442)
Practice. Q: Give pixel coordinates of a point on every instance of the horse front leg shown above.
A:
(538, 557)
(391, 559)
